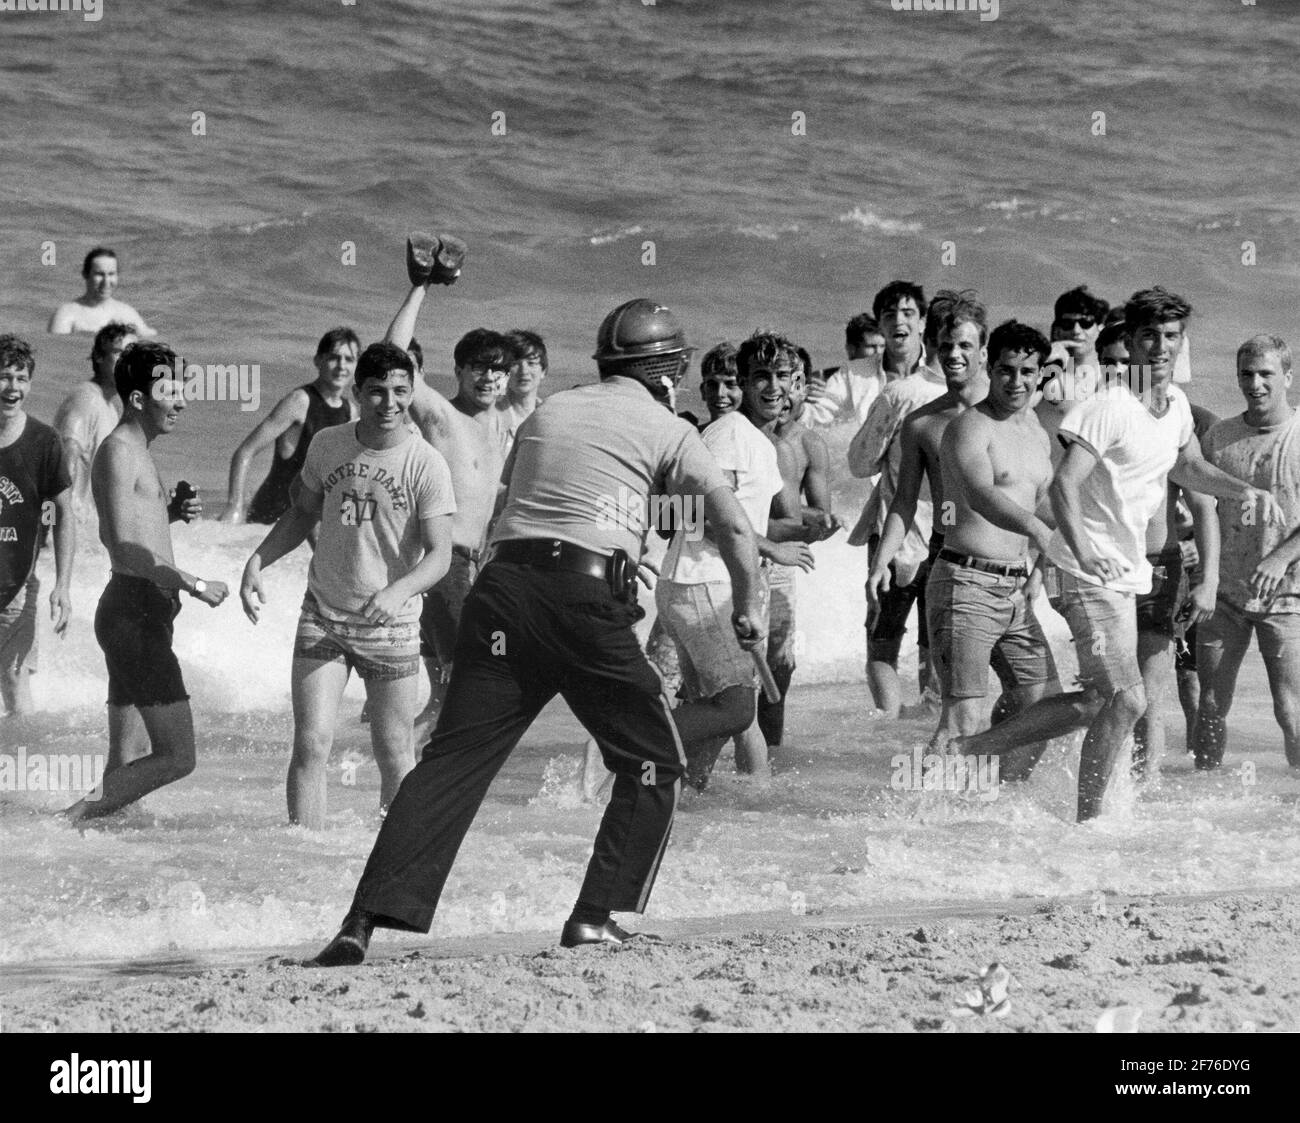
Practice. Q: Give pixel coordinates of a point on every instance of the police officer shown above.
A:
(553, 612)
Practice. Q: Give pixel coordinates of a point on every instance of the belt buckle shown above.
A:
(556, 546)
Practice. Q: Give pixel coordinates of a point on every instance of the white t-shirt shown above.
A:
(1126, 487)
(848, 396)
(879, 445)
(740, 449)
(374, 502)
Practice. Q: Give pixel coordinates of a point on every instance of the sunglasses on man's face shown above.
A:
(1085, 322)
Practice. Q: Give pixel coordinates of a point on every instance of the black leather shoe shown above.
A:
(348, 948)
(575, 934)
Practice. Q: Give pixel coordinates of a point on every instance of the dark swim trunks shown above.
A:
(1157, 610)
(133, 625)
(440, 614)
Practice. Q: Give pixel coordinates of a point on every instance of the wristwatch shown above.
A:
(200, 587)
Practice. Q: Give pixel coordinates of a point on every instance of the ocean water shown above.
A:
(329, 124)
(624, 123)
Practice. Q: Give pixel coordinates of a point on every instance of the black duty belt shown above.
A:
(553, 553)
(968, 562)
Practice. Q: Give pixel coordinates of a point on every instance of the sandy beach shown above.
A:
(1223, 963)
(258, 168)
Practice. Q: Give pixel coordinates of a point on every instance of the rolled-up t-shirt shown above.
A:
(374, 501)
(1126, 487)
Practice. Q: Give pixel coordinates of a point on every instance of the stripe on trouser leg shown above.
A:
(648, 884)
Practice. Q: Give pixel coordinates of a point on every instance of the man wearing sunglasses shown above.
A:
(1077, 318)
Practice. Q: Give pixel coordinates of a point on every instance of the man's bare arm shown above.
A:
(291, 530)
(62, 320)
(817, 477)
(1195, 473)
(1073, 470)
(289, 410)
(735, 541)
(402, 330)
(429, 409)
(1205, 529)
(435, 535)
(77, 457)
(902, 510)
(65, 549)
(785, 522)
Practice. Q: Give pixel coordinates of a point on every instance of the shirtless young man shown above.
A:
(383, 500)
(996, 468)
(961, 335)
(97, 307)
(875, 452)
(91, 411)
(290, 426)
(465, 431)
(150, 727)
(805, 455)
(766, 388)
(1124, 446)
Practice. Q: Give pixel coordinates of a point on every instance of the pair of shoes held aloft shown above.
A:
(434, 259)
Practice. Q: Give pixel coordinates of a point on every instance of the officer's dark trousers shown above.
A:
(527, 634)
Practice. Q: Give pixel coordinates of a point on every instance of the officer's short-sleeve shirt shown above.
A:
(586, 464)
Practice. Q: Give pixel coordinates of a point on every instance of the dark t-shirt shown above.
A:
(32, 471)
(272, 498)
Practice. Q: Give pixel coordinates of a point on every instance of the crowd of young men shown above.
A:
(1002, 463)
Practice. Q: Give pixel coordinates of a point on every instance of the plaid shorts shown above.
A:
(377, 652)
